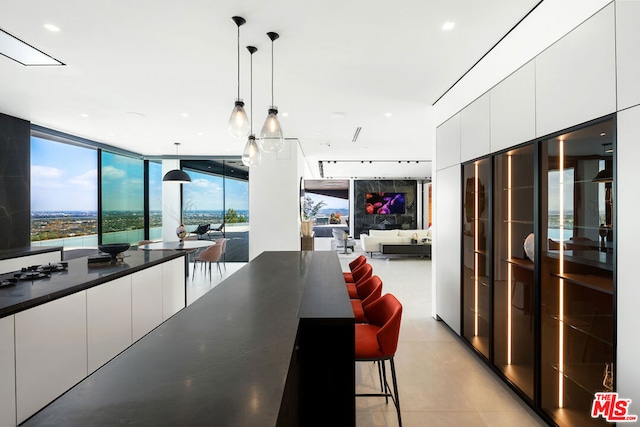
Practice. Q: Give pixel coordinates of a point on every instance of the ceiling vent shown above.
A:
(357, 134)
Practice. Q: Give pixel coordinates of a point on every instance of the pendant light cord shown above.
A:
(251, 96)
(272, 104)
(238, 62)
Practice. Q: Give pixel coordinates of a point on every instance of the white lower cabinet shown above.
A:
(146, 301)
(108, 321)
(7, 372)
(51, 351)
(173, 287)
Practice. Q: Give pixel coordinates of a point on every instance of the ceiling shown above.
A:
(141, 75)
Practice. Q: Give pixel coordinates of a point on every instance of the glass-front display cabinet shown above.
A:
(577, 272)
(476, 291)
(538, 268)
(513, 284)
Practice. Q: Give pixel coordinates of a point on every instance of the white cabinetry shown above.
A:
(448, 143)
(513, 109)
(627, 36)
(51, 351)
(7, 373)
(173, 287)
(146, 301)
(475, 129)
(108, 321)
(576, 77)
(447, 273)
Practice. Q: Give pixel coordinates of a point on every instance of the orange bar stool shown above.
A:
(348, 276)
(377, 341)
(369, 291)
(361, 274)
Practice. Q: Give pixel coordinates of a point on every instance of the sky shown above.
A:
(206, 192)
(63, 177)
(330, 202)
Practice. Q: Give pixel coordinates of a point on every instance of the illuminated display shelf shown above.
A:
(547, 327)
(598, 283)
(587, 376)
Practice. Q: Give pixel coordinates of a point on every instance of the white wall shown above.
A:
(274, 188)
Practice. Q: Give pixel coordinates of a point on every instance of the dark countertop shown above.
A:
(222, 361)
(20, 252)
(79, 276)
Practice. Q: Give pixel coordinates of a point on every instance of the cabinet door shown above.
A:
(577, 265)
(476, 289)
(173, 287)
(7, 372)
(108, 321)
(146, 301)
(51, 351)
(513, 272)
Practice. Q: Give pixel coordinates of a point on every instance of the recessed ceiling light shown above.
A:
(338, 114)
(84, 115)
(388, 114)
(185, 115)
(448, 26)
(135, 114)
(200, 133)
(52, 28)
(285, 114)
(603, 134)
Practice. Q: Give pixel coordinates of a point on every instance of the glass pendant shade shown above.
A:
(251, 155)
(271, 138)
(238, 122)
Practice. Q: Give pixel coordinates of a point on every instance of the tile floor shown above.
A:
(441, 383)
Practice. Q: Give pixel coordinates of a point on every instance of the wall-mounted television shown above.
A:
(384, 203)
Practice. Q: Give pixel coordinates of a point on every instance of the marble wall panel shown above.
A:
(15, 200)
(364, 221)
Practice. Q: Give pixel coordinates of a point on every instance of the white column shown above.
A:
(274, 201)
(171, 208)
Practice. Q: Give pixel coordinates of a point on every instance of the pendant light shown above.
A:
(177, 175)
(271, 138)
(238, 122)
(251, 155)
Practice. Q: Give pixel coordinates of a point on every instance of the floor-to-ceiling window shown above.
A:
(64, 196)
(155, 200)
(122, 198)
(202, 200)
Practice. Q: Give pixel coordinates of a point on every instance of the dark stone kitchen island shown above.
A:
(271, 345)
(58, 327)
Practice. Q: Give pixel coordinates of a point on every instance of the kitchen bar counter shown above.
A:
(79, 276)
(271, 345)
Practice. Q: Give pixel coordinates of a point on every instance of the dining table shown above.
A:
(189, 246)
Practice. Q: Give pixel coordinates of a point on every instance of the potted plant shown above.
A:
(309, 210)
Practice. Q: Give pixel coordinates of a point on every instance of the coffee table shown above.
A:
(419, 248)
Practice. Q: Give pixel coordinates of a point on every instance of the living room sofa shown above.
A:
(371, 243)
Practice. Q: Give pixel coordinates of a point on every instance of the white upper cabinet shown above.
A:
(627, 37)
(513, 109)
(448, 143)
(575, 77)
(475, 129)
